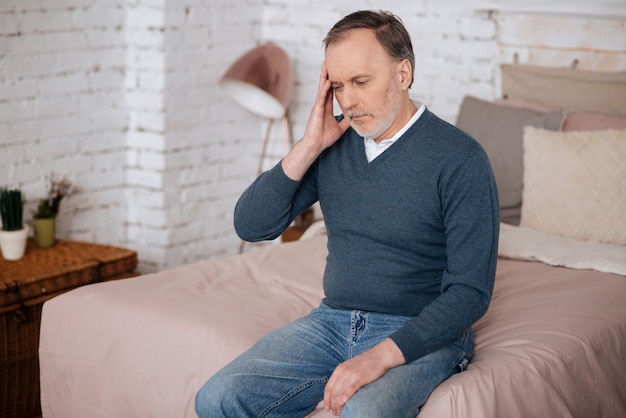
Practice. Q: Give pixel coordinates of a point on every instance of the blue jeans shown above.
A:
(284, 373)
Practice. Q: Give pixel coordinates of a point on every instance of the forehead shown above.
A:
(357, 51)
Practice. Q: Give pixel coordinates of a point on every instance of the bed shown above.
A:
(552, 343)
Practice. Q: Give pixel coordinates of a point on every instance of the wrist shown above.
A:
(299, 159)
(310, 146)
(390, 353)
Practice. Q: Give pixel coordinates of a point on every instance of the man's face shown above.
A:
(365, 82)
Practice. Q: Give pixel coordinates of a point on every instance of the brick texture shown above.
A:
(123, 98)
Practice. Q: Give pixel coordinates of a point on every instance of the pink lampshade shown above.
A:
(260, 81)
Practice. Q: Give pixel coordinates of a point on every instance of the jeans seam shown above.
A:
(291, 394)
(462, 356)
(358, 324)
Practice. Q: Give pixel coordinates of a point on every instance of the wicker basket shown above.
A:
(25, 285)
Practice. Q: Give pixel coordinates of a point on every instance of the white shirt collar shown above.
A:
(373, 149)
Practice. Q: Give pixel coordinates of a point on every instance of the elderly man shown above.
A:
(411, 211)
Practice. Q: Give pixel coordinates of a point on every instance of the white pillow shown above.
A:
(575, 184)
(521, 243)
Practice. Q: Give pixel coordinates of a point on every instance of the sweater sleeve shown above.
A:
(471, 222)
(269, 205)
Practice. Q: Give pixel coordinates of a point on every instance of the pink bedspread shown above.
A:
(553, 343)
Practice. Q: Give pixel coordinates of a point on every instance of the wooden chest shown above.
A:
(25, 285)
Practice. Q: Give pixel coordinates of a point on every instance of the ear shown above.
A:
(405, 73)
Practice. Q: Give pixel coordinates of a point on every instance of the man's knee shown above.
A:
(213, 399)
(371, 403)
(202, 402)
(205, 400)
(367, 410)
(361, 407)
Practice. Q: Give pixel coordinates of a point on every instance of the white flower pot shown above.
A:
(13, 243)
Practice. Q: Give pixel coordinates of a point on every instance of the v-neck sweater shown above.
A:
(412, 233)
(373, 149)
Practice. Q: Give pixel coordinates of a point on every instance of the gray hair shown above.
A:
(389, 30)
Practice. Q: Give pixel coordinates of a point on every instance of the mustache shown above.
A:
(356, 113)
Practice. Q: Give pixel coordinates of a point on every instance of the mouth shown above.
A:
(357, 117)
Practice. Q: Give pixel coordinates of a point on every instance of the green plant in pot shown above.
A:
(44, 218)
(14, 233)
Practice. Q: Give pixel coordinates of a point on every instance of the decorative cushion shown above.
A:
(575, 184)
(523, 103)
(499, 129)
(567, 89)
(574, 121)
(585, 121)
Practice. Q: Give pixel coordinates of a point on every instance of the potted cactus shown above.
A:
(14, 233)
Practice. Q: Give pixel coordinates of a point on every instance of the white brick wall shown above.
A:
(122, 97)
(186, 141)
(62, 108)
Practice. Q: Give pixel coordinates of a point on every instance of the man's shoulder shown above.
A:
(439, 136)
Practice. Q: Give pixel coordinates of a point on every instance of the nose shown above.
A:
(347, 98)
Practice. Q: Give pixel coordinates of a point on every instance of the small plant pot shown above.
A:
(13, 243)
(45, 231)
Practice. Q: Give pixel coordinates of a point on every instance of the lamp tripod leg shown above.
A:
(264, 149)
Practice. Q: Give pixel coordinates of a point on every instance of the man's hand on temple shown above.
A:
(322, 130)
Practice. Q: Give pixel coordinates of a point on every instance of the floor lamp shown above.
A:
(260, 81)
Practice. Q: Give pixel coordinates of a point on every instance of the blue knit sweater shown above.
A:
(414, 232)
